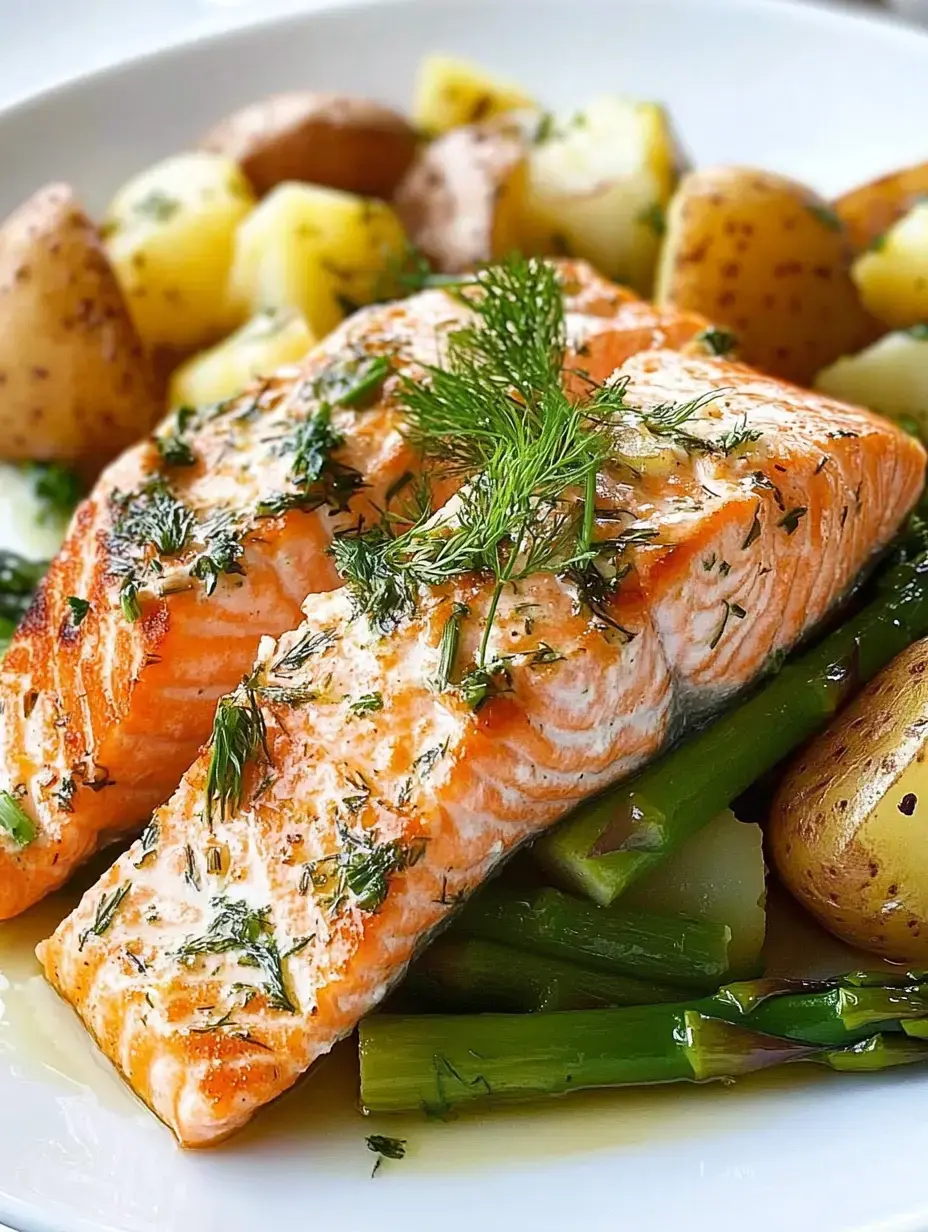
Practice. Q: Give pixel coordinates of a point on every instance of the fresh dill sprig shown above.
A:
(308, 645)
(317, 477)
(239, 733)
(151, 516)
(15, 822)
(238, 928)
(222, 550)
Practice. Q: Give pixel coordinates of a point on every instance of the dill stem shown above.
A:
(589, 509)
(488, 626)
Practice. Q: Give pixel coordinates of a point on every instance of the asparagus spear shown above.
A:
(466, 974)
(608, 843)
(669, 949)
(440, 1062)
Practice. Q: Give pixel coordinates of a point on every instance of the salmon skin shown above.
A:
(245, 933)
(200, 541)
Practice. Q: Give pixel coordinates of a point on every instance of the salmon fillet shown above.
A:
(231, 947)
(101, 717)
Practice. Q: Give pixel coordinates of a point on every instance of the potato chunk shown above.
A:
(890, 377)
(75, 383)
(170, 234)
(452, 92)
(329, 139)
(267, 342)
(315, 249)
(770, 260)
(598, 184)
(871, 210)
(893, 277)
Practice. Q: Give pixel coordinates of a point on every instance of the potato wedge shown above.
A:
(169, 234)
(890, 377)
(893, 277)
(870, 210)
(462, 201)
(268, 341)
(315, 249)
(598, 184)
(76, 383)
(330, 139)
(451, 93)
(767, 258)
(849, 826)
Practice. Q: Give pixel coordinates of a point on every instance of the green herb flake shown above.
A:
(448, 645)
(239, 734)
(107, 907)
(791, 519)
(827, 216)
(655, 217)
(720, 342)
(236, 927)
(367, 703)
(15, 822)
(730, 609)
(385, 1148)
(79, 609)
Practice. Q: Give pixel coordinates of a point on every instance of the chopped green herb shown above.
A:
(236, 927)
(308, 645)
(791, 519)
(148, 841)
(191, 872)
(318, 478)
(826, 215)
(79, 609)
(717, 341)
(545, 654)
(222, 552)
(15, 822)
(367, 703)
(239, 733)
(157, 206)
(754, 531)
(352, 382)
(654, 217)
(448, 646)
(172, 447)
(107, 907)
(731, 609)
(129, 600)
(385, 1148)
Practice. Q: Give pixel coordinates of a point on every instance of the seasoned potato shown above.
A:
(451, 93)
(170, 234)
(717, 875)
(462, 201)
(268, 341)
(767, 258)
(869, 211)
(77, 385)
(315, 249)
(329, 139)
(890, 377)
(598, 184)
(893, 277)
(849, 827)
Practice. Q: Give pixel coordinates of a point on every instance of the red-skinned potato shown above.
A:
(75, 383)
(333, 140)
(461, 202)
(870, 210)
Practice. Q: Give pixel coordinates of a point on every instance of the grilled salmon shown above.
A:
(208, 536)
(253, 924)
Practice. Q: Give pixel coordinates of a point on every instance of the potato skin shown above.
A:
(849, 827)
(767, 258)
(75, 383)
(333, 140)
(870, 210)
(461, 200)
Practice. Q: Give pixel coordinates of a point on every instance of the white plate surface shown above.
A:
(829, 97)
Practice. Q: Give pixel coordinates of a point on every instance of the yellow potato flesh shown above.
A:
(268, 341)
(451, 93)
(170, 234)
(893, 278)
(890, 377)
(315, 249)
(849, 827)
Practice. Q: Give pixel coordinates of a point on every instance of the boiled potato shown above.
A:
(315, 249)
(597, 186)
(893, 277)
(770, 260)
(77, 385)
(170, 234)
(268, 341)
(462, 201)
(869, 211)
(30, 525)
(717, 875)
(890, 377)
(451, 93)
(329, 139)
(849, 826)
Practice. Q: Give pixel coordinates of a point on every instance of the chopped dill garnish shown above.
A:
(149, 842)
(191, 872)
(79, 609)
(720, 342)
(448, 646)
(15, 822)
(173, 449)
(730, 609)
(753, 531)
(353, 382)
(129, 599)
(239, 734)
(360, 870)
(317, 478)
(308, 645)
(151, 516)
(791, 519)
(236, 927)
(385, 1148)
(107, 907)
(222, 550)
(367, 703)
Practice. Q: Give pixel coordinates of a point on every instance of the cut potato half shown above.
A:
(169, 235)
(890, 377)
(893, 277)
(267, 342)
(315, 249)
(451, 92)
(598, 184)
(871, 209)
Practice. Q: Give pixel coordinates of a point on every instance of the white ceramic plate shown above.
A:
(828, 97)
